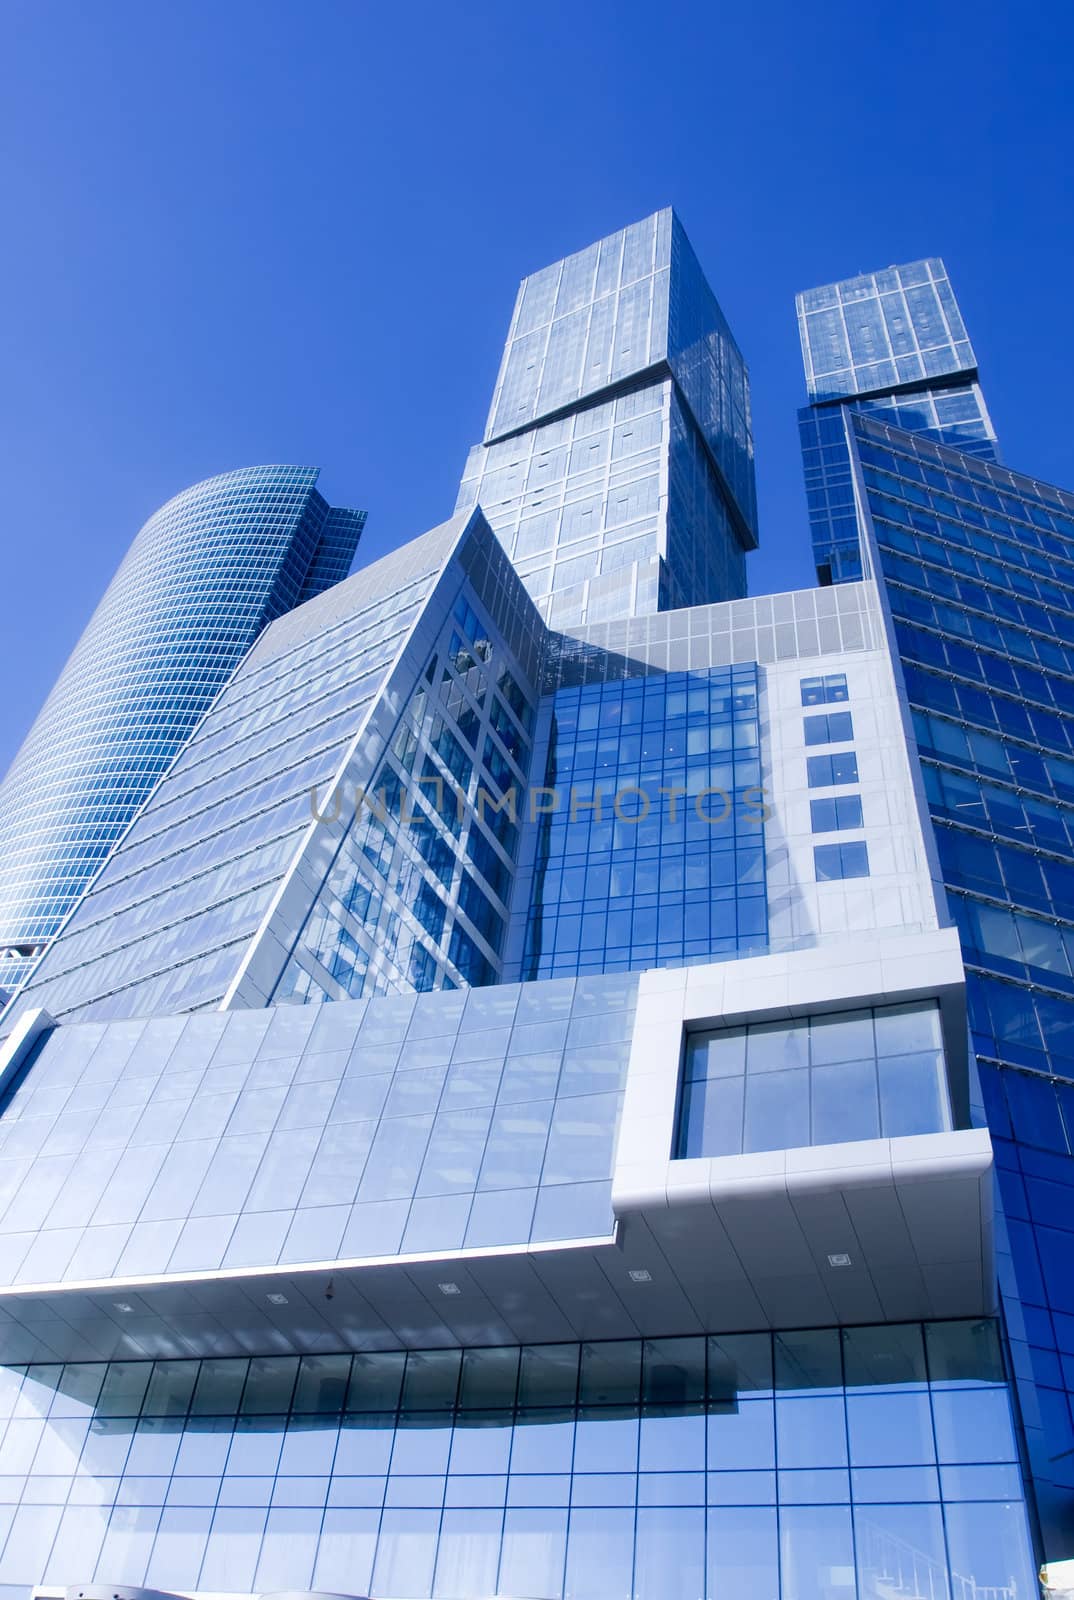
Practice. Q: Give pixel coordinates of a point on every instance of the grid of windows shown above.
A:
(833, 519)
(612, 507)
(767, 628)
(658, 1469)
(202, 578)
(979, 568)
(418, 894)
(882, 330)
(291, 1134)
(956, 416)
(814, 1080)
(845, 858)
(652, 850)
(896, 331)
(162, 926)
(577, 504)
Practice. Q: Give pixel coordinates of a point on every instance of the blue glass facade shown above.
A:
(617, 465)
(283, 1135)
(202, 578)
(826, 1079)
(805, 1464)
(166, 922)
(894, 344)
(882, 332)
(978, 568)
(652, 851)
(501, 1121)
(418, 894)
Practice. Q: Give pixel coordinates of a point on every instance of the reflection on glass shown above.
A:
(664, 1466)
(901, 1547)
(825, 1079)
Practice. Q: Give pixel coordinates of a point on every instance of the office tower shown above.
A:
(201, 579)
(894, 345)
(617, 462)
(547, 1166)
(259, 870)
(976, 567)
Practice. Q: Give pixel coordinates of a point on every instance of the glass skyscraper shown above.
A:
(202, 578)
(503, 1122)
(895, 343)
(617, 463)
(976, 565)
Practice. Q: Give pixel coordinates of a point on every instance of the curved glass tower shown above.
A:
(202, 578)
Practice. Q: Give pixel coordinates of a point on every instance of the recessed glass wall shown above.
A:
(806, 1466)
(873, 1073)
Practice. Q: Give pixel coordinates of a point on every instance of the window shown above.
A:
(841, 860)
(864, 1074)
(830, 816)
(825, 691)
(833, 727)
(825, 770)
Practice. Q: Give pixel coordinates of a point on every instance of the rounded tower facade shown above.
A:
(201, 579)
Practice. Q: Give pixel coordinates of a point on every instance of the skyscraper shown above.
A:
(503, 1120)
(617, 462)
(202, 578)
(976, 566)
(895, 343)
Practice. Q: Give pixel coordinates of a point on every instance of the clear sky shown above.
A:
(238, 231)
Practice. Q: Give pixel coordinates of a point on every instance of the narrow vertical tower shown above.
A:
(202, 578)
(975, 567)
(617, 464)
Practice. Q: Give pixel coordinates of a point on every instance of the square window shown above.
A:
(823, 771)
(829, 816)
(841, 860)
(826, 690)
(833, 727)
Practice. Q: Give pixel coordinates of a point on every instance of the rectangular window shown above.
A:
(826, 1079)
(824, 771)
(826, 690)
(841, 860)
(830, 816)
(832, 727)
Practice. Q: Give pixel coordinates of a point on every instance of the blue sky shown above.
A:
(268, 230)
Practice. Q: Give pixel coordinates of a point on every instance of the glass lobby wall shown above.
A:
(815, 1465)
